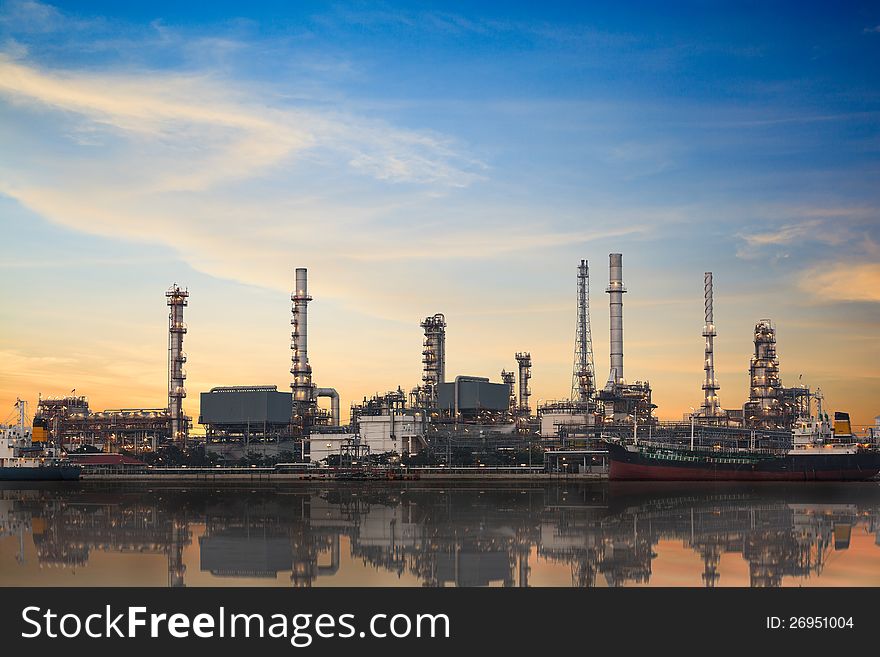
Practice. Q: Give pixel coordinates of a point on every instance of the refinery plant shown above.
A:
(441, 420)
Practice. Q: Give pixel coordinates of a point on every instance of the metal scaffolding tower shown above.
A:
(434, 356)
(509, 378)
(177, 301)
(524, 362)
(583, 378)
(765, 387)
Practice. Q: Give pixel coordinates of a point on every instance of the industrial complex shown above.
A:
(442, 420)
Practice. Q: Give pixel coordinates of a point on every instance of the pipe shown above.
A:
(616, 290)
(334, 403)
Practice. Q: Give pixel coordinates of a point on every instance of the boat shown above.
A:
(26, 456)
(817, 452)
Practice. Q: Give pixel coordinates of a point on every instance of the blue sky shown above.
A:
(455, 158)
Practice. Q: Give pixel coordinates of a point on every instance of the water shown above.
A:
(417, 534)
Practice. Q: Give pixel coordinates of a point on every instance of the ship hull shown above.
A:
(41, 473)
(646, 464)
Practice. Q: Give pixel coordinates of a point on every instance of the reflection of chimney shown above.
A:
(615, 291)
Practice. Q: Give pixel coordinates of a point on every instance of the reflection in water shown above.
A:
(602, 534)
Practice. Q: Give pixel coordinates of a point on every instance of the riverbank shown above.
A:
(268, 475)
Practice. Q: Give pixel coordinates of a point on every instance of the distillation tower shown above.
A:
(763, 408)
(509, 379)
(302, 387)
(711, 407)
(177, 301)
(433, 357)
(583, 378)
(524, 364)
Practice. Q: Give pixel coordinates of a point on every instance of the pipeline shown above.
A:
(334, 403)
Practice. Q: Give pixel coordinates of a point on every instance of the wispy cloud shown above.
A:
(783, 235)
(832, 227)
(835, 282)
(229, 135)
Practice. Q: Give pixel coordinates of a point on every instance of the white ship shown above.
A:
(26, 457)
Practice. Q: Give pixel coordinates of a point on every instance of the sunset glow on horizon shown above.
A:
(418, 161)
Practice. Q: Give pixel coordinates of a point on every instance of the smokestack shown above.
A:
(616, 291)
(177, 301)
(301, 385)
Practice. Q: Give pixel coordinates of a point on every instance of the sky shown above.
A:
(457, 158)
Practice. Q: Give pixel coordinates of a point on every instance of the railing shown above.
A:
(475, 469)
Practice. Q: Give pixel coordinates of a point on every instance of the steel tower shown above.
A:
(583, 377)
(434, 356)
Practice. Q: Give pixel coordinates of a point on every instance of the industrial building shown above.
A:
(473, 397)
(246, 413)
(72, 424)
(379, 425)
(437, 413)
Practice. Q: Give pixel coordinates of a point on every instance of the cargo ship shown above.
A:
(26, 456)
(816, 453)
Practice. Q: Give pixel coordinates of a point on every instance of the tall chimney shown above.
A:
(303, 393)
(616, 291)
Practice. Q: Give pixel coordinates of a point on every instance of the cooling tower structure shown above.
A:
(433, 358)
(622, 403)
(177, 301)
(524, 365)
(710, 407)
(583, 378)
(509, 379)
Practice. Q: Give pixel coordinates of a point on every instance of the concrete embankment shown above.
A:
(264, 476)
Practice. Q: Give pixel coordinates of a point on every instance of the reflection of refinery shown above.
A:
(442, 412)
(465, 537)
